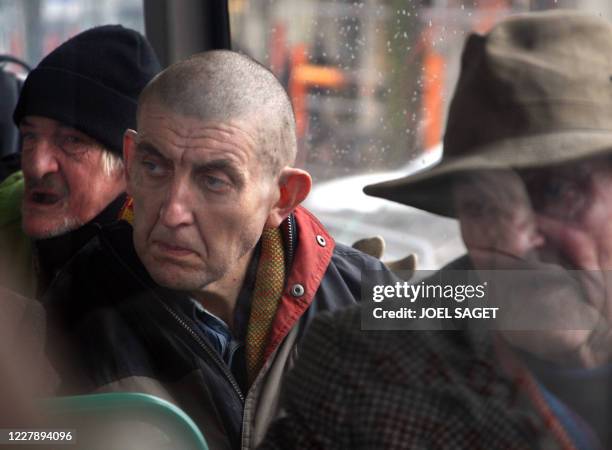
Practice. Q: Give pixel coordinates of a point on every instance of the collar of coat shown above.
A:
(311, 254)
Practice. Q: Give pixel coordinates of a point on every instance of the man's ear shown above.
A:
(294, 186)
(129, 148)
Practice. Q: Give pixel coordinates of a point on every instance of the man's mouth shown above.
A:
(174, 250)
(44, 198)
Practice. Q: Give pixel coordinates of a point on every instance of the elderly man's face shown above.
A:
(201, 196)
(65, 181)
(547, 220)
(560, 215)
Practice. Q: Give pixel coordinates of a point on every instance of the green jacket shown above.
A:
(16, 264)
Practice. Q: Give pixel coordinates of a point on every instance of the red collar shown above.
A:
(312, 257)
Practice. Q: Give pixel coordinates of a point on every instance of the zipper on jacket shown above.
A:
(209, 351)
(290, 238)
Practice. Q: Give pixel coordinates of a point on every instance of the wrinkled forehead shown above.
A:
(241, 136)
(194, 143)
(156, 118)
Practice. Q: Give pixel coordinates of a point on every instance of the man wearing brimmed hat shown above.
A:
(534, 92)
(528, 174)
(72, 112)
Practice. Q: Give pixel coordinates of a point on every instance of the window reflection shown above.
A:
(370, 83)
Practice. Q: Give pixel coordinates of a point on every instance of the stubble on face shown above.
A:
(221, 228)
(65, 181)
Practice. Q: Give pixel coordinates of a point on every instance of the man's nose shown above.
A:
(38, 159)
(176, 210)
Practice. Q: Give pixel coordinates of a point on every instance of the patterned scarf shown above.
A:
(269, 284)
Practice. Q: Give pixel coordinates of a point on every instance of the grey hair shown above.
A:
(224, 85)
(111, 162)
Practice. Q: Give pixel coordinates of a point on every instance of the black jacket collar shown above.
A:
(52, 254)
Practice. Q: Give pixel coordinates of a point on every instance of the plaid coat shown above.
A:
(353, 389)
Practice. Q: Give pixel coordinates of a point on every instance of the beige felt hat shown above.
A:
(535, 91)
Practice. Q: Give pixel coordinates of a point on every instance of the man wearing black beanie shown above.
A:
(72, 112)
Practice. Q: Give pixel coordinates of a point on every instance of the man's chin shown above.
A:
(42, 228)
(179, 278)
(176, 282)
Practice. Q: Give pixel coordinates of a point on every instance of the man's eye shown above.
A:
(27, 136)
(152, 168)
(72, 144)
(560, 190)
(554, 191)
(215, 184)
(559, 198)
(72, 139)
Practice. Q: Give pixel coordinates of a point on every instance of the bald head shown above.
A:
(222, 85)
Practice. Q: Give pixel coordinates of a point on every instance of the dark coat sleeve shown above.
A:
(398, 390)
(313, 395)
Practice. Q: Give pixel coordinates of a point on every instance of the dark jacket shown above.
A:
(434, 390)
(27, 266)
(128, 334)
(578, 397)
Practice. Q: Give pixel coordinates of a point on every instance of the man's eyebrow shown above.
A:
(149, 149)
(25, 123)
(224, 165)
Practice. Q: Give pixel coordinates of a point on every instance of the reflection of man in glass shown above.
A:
(527, 171)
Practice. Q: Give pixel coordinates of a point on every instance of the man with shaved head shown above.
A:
(204, 297)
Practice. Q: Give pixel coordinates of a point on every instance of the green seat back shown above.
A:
(124, 421)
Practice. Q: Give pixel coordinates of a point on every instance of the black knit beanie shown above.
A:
(92, 82)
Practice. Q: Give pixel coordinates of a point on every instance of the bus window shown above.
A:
(29, 30)
(370, 83)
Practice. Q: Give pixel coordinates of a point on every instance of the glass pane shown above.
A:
(31, 29)
(370, 83)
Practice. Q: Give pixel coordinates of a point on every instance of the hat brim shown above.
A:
(431, 190)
